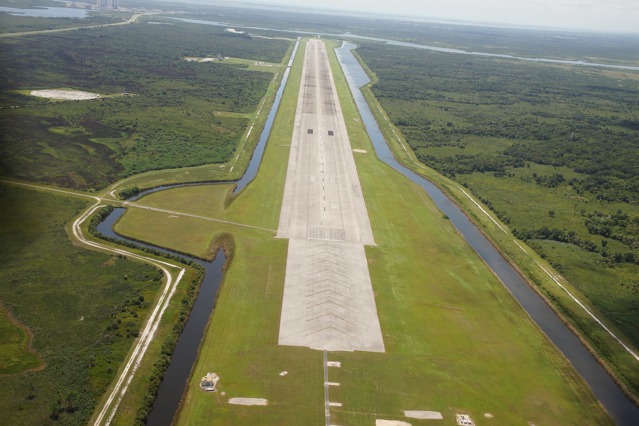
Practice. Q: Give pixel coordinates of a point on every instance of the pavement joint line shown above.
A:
(327, 236)
(329, 314)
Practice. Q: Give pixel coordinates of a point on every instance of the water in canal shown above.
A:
(184, 356)
(618, 405)
(185, 353)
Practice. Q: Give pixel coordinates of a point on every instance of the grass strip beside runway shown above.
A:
(456, 340)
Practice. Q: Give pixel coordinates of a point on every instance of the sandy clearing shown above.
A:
(360, 151)
(66, 95)
(248, 401)
(418, 414)
(194, 59)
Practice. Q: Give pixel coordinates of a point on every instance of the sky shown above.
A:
(592, 15)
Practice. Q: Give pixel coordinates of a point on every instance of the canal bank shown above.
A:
(184, 355)
(618, 405)
(439, 356)
(171, 389)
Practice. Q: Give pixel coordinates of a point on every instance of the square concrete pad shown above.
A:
(328, 298)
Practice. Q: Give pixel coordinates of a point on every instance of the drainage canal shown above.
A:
(177, 374)
(616, 403)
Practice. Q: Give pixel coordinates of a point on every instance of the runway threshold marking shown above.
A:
(324, 217)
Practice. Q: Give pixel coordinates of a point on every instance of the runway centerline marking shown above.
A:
(328, 301)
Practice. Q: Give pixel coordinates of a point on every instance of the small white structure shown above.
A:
(464, 420)
(209, 382)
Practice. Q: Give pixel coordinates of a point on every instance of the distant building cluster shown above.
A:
(104, 4)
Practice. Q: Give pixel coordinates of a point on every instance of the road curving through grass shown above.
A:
(173, 274)
(110, 406)
(457, 342)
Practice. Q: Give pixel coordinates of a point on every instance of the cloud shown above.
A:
(616, 4)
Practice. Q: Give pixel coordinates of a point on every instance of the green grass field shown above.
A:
(16, 354)
(456, 340)
(83, 308)
(522, 203)
(163, 113)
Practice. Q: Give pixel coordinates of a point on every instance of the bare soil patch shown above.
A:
(380, 422)
(65, 94)
(248, 401)
(420, 414)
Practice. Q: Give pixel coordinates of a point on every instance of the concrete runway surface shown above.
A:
(328, 299)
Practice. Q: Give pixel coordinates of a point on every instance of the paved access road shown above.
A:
(328, 297)
(132, 20)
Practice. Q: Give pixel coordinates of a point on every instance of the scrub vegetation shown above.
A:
(16, 354)
(160, 113)
(434, 321)
(551, 150)
(83, 308)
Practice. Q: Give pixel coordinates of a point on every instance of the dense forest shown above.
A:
(552, 149)
(155, 111)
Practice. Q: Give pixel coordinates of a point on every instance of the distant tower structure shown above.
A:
(104, 4)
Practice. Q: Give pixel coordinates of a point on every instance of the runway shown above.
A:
(328, 301)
